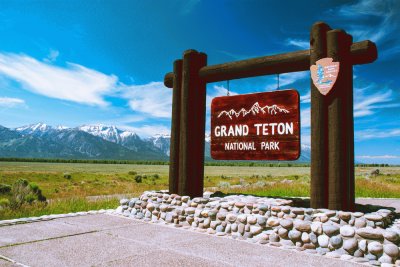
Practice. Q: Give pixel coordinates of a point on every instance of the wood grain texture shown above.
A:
(340, 119)
(192, 125)
(319, 124)
(361, 53)
(251, 104)
(175, 129)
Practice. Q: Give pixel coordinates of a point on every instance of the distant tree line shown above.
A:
(155, 162)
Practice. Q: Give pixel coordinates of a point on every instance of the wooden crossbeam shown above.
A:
(361, 53)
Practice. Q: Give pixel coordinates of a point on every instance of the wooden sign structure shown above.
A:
(332, 123)
(261, 126)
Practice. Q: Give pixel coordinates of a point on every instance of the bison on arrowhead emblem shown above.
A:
(324, 74)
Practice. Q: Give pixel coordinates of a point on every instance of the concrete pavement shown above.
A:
(107, 240)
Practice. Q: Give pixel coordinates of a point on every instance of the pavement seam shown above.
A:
(71, 235)
(12, 261)
(47, 239)
(226, 237)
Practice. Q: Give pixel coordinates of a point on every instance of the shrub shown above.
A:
(67, 176)
(156, 176)
(224, 184)
(5, 188)
(4, 202)
(138, 178)
(24, 192)
(132, 173)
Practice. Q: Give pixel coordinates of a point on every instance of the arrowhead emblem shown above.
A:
(324, 74)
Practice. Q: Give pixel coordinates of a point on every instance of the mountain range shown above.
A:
(90, 142)
(255, 109)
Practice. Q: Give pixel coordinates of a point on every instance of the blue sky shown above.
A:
(85, 62)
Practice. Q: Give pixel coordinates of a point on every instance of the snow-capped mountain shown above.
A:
(38, 129)
(162, 142)
(92, 141)
(255, 109)
(109, 133)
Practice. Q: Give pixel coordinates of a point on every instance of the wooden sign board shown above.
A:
(261, 126)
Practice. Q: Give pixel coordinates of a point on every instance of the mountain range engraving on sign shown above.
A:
(260, 126)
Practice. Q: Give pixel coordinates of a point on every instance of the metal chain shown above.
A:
(227, 90)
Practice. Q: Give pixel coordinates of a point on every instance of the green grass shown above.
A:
(68, 185)
(59, 206)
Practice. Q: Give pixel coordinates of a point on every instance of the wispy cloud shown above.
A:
(367, 103)
(383, 17)
(306, 98)
(153, 99)
(378, 157)
(305, 117)
(187, 6)
(376, 133)
(303, 44)
(52, 56)
(9, 102)
(74, 82)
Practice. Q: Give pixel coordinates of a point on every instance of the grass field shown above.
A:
(67, 185)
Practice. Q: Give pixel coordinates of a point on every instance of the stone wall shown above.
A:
(372, 237)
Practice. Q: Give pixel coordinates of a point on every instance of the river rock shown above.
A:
(294, 235)
(302, 226)
(336, 241)
(313, 238)
(391, 250)
(375, 248)
(255, 230)
(373, 217)
(323, 241)
(298, 211)
(330, 230)
(345, 216)
(385, 259)
(347, 231)
(242, 218)
(283, 232)
(285, 223)
(273, 238)
(360, 223)
(231, 217)
(252, 219)
(305, 237)
(316, 227)
(370, 233)
(350, 245)
(261, 220)
(391, 236)
(363, 245)
(273, 221)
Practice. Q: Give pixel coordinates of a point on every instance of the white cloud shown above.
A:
(153, 99)
(367, 103)
(306, 98)
(74, 82)
(52, 56)
(378, 157)
(9, 102)
(215, 92)
(305, 117)
(376, 133)
(286, 79)
(298, 43)
(147, 130)
(383, 17)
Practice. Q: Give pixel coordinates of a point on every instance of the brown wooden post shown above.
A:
(319, 124)
(175, 129)
(192, 125)
(340, 118)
